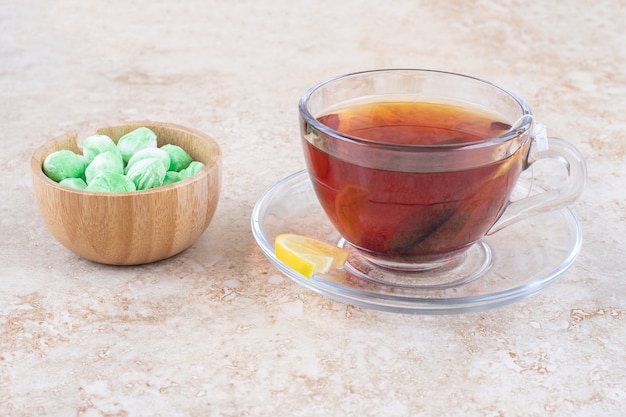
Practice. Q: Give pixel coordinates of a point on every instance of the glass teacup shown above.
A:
(414, 167)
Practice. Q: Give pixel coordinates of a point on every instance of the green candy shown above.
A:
(148, 153)
(134, 163)
(171, 177)
(64, 164)
(111, 182)
(179, 159)
(97, 144)
(77, 183)
(193, 168)
(136, 140)
(104, 162)
(147, 173)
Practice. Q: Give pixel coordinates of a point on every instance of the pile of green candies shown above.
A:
(134, 163)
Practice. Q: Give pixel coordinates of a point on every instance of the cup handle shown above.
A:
(561, 196)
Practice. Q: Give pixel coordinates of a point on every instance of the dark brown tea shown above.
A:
(413, 217)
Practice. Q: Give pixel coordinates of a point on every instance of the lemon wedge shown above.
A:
(308, 256)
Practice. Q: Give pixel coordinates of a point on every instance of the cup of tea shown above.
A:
(413, 167)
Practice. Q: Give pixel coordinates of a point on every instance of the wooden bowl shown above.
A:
(137, 227)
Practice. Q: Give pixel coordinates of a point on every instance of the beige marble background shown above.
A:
(217, 330)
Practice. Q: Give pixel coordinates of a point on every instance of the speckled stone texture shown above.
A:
(217, 330)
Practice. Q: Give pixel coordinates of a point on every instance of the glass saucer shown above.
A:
(515, 262)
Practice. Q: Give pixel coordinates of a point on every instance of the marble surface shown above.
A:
(217, 330)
